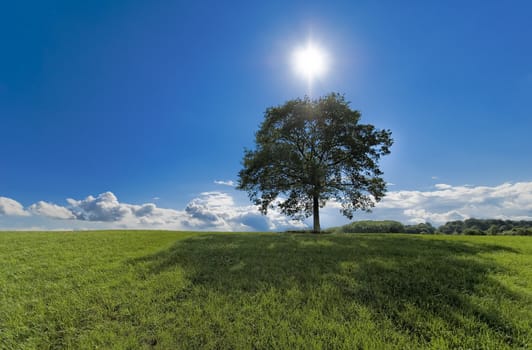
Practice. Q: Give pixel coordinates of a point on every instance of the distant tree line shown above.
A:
(487, 227)
(459, 227)
(386, 226)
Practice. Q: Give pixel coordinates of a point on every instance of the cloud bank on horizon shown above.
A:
(217, 211)
(213, 211)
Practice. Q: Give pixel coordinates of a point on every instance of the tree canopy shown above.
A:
(309, 151)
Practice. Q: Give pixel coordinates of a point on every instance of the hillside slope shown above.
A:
(135, 289)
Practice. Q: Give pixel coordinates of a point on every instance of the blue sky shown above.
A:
(154, 101)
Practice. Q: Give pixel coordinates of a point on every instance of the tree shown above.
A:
(309, 151)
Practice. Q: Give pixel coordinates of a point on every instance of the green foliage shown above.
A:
(385, 226)
(370, 226)
(452, 227)
(473, 232)
(424, 227)
(487, 227)
(473, 227)
(518, 231)
(172, 290)
(310, 151)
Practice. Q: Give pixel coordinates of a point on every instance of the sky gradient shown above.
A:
(130, 103)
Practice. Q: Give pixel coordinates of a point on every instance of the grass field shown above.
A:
(171, 290)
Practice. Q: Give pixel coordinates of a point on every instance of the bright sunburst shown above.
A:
(310, 61)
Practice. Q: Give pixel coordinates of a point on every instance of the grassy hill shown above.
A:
(171, 290)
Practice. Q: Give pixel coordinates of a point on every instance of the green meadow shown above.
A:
(184, 290)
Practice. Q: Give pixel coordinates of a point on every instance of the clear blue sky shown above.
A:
(158, 98)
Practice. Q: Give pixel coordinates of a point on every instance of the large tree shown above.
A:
(309, 151)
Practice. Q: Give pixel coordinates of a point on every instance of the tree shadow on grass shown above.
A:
(403, 279)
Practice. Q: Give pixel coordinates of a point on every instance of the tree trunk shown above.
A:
(316, 214)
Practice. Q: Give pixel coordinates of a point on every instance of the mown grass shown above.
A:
(171, 290)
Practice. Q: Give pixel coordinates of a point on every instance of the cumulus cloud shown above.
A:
(144, 210)
(51, 210)
(211, 208)
(422, 215)
(229, 183)
(443, 186)
(104, 207)
(215, 211)
(507, 201)
(11, 207)
(218, 211)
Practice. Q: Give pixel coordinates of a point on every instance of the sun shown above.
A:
(310, 61)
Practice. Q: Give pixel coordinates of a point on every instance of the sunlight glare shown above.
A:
(310, 61)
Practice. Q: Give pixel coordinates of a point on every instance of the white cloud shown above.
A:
(508, 201)
(218, 211)
(225, 183)
(443, 186)
(215, 211)
(104, 207)
(11, 207)
(421, 215)
(212, 209)
(51, 210)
